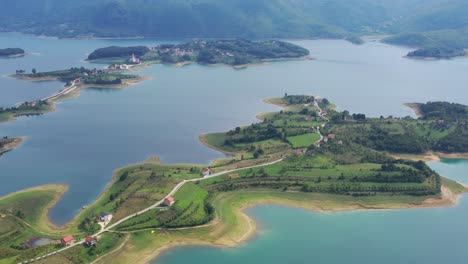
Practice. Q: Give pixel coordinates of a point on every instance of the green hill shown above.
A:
(419, 23)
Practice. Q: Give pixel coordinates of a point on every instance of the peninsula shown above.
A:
(7, 144)
(229, 52)
(11, 52)
(308, 154)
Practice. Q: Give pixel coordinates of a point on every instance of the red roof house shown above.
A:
(331, 136)
(169, 201)
(67, 240)
(90, 241)
(206, 171)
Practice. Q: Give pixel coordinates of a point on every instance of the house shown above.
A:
(325, 139)
(311, 129)
(331, 136)
(169, 201)
(340, 142)
(206, 171)
(91, 241)
(317, 144)
(104, 217)
(306, 119)
(300, 152)
(440, 121)
(67, 240)
(78, 80)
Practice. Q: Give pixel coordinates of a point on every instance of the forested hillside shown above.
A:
(422, 23)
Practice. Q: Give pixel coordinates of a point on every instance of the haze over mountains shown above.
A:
(436, 22)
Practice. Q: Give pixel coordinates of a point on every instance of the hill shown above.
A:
(195, 18)
(440, 24)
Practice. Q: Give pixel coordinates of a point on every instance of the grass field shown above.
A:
(304, 141)
(189, 210)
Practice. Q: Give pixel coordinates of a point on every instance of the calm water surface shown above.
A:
(291, 235)
(88, 137)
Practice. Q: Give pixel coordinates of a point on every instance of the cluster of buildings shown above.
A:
(133, 60)
(70, 240)
(106, 217)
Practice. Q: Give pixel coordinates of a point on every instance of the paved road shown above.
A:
(64, 91)
(173, 191)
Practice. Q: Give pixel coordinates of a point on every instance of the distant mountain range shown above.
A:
(420, 23)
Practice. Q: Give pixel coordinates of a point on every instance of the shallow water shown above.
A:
(90, 136)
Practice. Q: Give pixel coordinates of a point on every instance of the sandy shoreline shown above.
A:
(430, 156)
(448, 198)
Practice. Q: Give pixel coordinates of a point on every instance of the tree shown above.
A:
(33, 71)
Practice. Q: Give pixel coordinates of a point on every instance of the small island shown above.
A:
(308, 154)
(437, 53)
(229, 52)
(11, 52)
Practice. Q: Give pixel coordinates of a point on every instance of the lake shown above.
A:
(88, 137)
(291, 235)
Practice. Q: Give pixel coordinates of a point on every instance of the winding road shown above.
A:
(171, 193)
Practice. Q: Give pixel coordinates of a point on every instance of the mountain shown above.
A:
(194, 18)
(415, 22)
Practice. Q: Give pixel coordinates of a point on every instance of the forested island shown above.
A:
(438, 53)
(11, 52)
(229, 52)
(308, 154)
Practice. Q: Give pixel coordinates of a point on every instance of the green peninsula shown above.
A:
(229, 52)
(308, 154)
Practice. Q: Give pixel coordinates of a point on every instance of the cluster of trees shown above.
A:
(118, 52)
(253, 133)
(437, 52)
(456, 141)
(89, 226)
(26, 106)
(449, 112)
(298, 99)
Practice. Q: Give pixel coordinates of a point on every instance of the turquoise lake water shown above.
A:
(90, 136)
(291, 235)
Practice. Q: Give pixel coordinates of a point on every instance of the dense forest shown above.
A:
(117, 52)
(444, 111)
